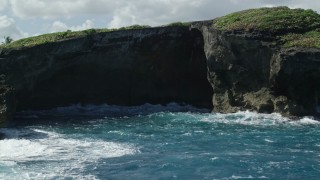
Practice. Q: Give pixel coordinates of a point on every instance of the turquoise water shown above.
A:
(158, 142)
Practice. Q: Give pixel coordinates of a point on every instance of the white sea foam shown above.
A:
(308, 120)
(257, 119)
(64, 157)
(247, 177)
(268, 140)
(214, 158)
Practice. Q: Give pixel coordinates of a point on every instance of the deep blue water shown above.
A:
(158, 142)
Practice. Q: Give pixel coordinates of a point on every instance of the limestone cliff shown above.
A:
(265, 60)
(251, 68)
(7, 104)
(126, 67)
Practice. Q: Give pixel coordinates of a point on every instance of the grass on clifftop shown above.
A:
(59, 36)
(178, 24)
(294, 27)
(309, 40)
(277, 20)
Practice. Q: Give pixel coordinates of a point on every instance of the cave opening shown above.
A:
(158, 69)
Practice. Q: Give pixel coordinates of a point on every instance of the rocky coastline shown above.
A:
(2, 136)
(249, 72)
(201, 64)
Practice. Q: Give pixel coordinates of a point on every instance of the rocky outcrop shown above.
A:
(7, 102)
(128, 67)
(294, 76)
(2, 136)
(249, 71)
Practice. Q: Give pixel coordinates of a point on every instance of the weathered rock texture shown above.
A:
(249, 71)
(129, 67)
(7, 103)
(2, 136)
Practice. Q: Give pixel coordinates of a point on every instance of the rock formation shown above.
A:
(7, 103)
(126, 67)
(2, 136)
(249, 67)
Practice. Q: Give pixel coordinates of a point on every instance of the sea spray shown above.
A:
(153, 141)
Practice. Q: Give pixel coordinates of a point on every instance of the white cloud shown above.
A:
(8, 28)
(117, 13)
(167, 8)
(305, 4)
(60, 8)
(165, 11)
(3, 4)
(59, 26)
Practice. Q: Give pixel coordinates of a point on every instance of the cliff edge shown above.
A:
(124, 67)
(265, 60)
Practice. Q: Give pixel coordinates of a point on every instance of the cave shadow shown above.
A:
(21, 133)
(86, 114)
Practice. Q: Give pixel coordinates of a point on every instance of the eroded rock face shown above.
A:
(7, 103)
(153, 65)
(2, 136)
(248, 71)
(295, 75)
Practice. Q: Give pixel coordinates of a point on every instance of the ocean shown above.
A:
(158, 142)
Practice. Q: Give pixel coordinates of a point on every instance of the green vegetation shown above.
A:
(278, 20)
(136, 26)
(310, 40)
(178, 24)
(294, 27)
(60, 36)
(47, 38)
(7, 40)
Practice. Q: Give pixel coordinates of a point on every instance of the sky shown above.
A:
(24, 18)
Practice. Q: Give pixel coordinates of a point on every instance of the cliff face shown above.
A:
(244, 56)
(130, 67)
(248, 71)
(154, 65)
(7, 104)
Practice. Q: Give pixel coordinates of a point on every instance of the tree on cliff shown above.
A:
(7, 40)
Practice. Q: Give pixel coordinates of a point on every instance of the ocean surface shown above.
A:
(158, 142)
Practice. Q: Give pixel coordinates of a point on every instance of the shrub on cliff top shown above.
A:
(59, 36)
(7, 40)
(309, 40)
(45, 38)
(136, 26)
(278, 20)
(178, 24)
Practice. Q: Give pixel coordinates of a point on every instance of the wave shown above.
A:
(110, 110)
(67, 156)
(257, 119)
(43, 152)
(241, 117)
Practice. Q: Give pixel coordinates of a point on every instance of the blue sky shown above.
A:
(23, 18)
